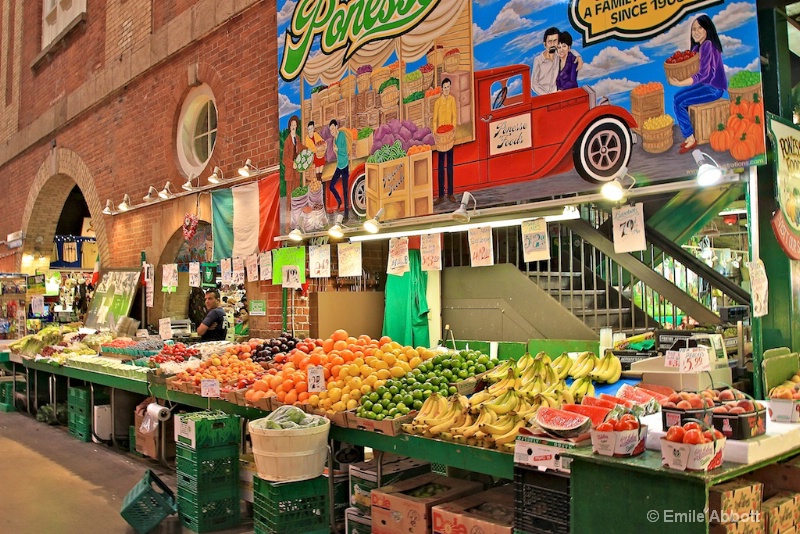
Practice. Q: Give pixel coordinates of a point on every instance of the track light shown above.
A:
(247, 169)
(166, 193)
(125, 204)
(373, 225)
(151, 195)
(109, 209)
(461, 214)
(296, 234)
(337, 230)
(188, 186)
(216, 176)
(614, 190)
(707, 174)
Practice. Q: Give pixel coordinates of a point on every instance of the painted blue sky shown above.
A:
(510, 32)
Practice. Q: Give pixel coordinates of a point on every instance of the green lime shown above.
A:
(370, 415)
(480, 368)
(397, 398)
(417, 394)
(377, 409)
(393, 390)
(483, 359)
(374, 397)
(367, 404)
(409, 399)
(453, 390)
(417, 404)
(427, 393)
(462, 374)
(386, 403)
(380, 417)
(382, 391)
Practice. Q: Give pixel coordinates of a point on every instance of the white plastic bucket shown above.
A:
(291, 454)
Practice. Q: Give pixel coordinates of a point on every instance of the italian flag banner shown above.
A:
(245, 219)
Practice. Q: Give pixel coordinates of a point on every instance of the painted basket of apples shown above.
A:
(684, 406)
(692, 447)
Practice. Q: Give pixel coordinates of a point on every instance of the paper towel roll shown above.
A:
(157, 411)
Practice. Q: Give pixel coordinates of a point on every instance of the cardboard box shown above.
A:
(784, 410)
(545, 452)
(148, 443)
(737, 498)
(778, 513)
(742, 527)
(364, 478)
(741, 426)
(247, 470)
(390, 427)
(621, 443)
(472, 514)
(395, 511)
(356, 523)
(686, 457)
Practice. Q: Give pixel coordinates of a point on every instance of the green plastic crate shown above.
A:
(209, 510)
(7, 390)
(148, 503)
(79, 420)
(207, 469)
(291, 506)
(81, 434)
(7, 407)
(78, 398)
(206, 430)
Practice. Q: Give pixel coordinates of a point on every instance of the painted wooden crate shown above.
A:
(420, 176)
(706, 117)
(388, 187)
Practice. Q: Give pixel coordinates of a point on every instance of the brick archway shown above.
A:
(62, 170)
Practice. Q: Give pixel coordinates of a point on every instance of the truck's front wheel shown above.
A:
(602, 150)
(358, 194)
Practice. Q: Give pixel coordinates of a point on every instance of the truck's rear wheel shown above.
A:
(358, 195)
(602, 150)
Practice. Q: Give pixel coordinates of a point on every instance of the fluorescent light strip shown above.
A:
(735, 211)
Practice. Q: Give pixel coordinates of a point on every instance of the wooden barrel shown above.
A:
(657, 141)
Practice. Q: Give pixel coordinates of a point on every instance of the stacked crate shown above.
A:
(291, 506)
(79, 410)
(207, 463)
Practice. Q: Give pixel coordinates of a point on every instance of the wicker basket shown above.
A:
(451, 62)
(684, 69)
(427, 80)
(746, 93)
(444, 142)
(379, 76)
(323, 97)
(390, 97)
(348, 86)
(657, 141)
(334, 93)
(396, 70)
(412, 87)
(362, 81)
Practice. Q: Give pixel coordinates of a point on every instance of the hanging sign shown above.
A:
(319, 261)
(535, 241)
(169, 278)
(165, 328)
(194, 274)
(251, 264)
(227, 271)
(258, 308)
(628, 223)
(290, 277)
(481, 248)
(37, 305)
(209, 274)
(238, 271)
(36, 284)
(149, 284)
(209, 387)
(288, 256)
(265, 265)
(430, 250)
(349, 259)
(786, 149)
(398, 256)
(759, 287)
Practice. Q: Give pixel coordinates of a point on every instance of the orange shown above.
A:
(287, 385)
(291, 397)
(335, 370)
(339, 335)
(302, 397)
(314, 359)
(249, 395)
(384, 340)
(260, 385)
(337, 360)
(347, 355)
(327, 345)
(340, 345)
(281, 396)
(351, 340)
(301, 387)
(257, 396)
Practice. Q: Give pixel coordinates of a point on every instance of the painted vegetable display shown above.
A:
(408, 133)
(562, 423)
(743, 79)
(722, 139)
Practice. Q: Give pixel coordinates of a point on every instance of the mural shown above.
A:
(404, 107)
(198, 248)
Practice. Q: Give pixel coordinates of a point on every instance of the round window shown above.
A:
(197, 130)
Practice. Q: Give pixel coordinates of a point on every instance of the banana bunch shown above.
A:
(562, 365)
(607, 370)
(580, 388)
(502, 431)
(512, 380)
(584, 365)
(505, 403)
(501, 371)
(451, 414)
(561, 391)
(533, 386)
(434, 407)
(542, 367)
(472, 433)
(523, 363)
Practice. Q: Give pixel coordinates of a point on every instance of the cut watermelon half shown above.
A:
(616, 400)
(656, 388)
(600, 402)
(561, 423)
(638, 395)
(597, 414)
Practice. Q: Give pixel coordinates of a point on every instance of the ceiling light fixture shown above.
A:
(337, 230)
(247, 170)
(152, 194)
(216, 176)
(614, 190)
(707, 174)
(188, 185)
(373, 225)
(109, 209)
(166, 193)
(296, 234)
(461, 214)
(125, 204)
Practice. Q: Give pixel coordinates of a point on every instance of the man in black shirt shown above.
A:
(214, 327)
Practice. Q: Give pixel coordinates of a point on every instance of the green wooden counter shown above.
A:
(623, 495)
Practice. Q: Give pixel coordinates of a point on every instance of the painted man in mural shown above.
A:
(341, 147)
(291, 147)
(546, 65)
(444, 114)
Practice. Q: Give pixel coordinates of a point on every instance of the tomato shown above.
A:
(692, 426)
(605, 426)
(627, 425)
(628, 417)
(676, 434)
(693, 437)
(709, 436)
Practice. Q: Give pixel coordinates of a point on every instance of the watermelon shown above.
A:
(616, 400)
(655, 388)
(596, 413)
(561, 423)
(603, 403)
(637, 395)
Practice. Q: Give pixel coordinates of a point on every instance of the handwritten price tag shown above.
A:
(629, 228)
(535, 241)
(209, 387)
(316, 378)
(319, 261)
(481, 247)
(265, 265)
(165, 328)
(238, 271)
(251, 264)
(430, 249)
(227, 271)
(398, 256)
(349, 259)
(291, 277)
(672, 358)
(695, 360)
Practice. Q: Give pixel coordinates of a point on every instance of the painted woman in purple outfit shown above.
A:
(707, 85)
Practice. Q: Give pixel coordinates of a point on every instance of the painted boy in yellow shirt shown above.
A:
(444, 113)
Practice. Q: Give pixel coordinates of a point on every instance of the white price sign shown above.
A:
(481, 248)
(672, 358)
(37, 305)
(209, 387)
(316, 378)
(535, 242)
(695, 360)
(194, 274)
(319, 261)
(165, 328)
(265, 265)
(238, 271)
(349, 259)
(430, 250)
(629, 228)
(291, 277)
(227, 271)
(251, 264)
(398, 256)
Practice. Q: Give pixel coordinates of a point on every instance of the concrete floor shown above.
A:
(50, 482)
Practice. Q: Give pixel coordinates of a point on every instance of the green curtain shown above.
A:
(405, 317)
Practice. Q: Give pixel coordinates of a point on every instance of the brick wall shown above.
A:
(166, 10)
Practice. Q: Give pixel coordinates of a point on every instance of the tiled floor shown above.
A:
(52, 483)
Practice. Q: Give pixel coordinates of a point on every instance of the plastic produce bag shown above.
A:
(287, 417)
